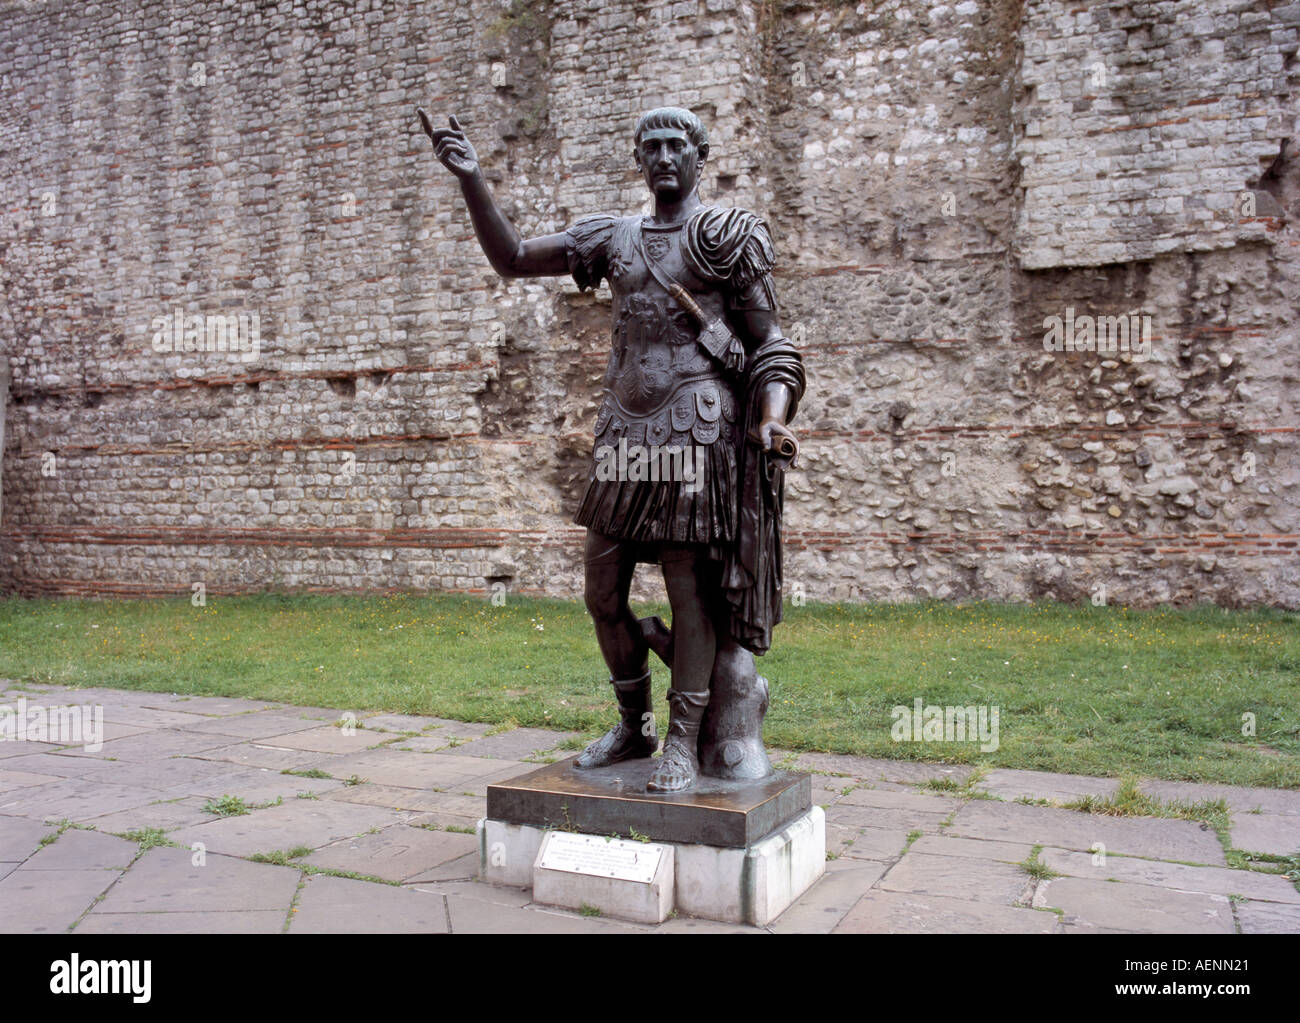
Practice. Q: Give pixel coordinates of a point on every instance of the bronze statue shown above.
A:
(691, 446)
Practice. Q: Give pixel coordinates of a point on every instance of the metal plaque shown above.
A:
(602, 857)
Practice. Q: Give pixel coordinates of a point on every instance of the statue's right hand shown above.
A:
(451, 146)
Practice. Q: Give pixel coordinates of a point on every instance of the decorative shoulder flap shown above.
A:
(727, 244)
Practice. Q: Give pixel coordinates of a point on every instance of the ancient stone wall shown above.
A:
(942, 181)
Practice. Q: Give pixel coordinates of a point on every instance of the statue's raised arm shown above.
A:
(510, 255)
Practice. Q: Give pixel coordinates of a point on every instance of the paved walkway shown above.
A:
(396, 799)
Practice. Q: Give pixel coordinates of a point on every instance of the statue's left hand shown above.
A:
(777, 440)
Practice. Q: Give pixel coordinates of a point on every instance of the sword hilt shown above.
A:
(685, 300)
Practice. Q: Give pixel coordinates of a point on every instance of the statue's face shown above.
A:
(670, 162)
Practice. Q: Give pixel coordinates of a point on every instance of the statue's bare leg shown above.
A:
(693, 591)
(610, 565)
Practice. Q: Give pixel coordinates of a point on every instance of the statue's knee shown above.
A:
(605, 608)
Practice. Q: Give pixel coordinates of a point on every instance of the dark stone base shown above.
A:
(613, 801)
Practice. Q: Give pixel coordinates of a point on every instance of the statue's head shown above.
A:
(670, 146)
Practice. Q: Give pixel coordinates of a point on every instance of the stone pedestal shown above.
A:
(736, 851)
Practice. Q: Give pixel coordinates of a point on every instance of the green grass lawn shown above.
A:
(1087, 690)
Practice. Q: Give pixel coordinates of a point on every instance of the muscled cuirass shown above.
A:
(661, 387)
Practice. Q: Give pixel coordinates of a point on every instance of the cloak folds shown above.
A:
(732, 248)
(751, 573)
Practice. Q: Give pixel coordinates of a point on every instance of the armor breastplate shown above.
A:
(661, 387)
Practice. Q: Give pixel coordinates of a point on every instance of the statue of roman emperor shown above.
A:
(698, 364)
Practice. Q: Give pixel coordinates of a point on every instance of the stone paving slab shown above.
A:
(1268, 918)
(256, 725)
(268, 921)
(885, 817)
(1156, 838)
(826, 792)
(64, 765)
(110, 731)
(1176, 876)
(980, 880)
(397, 853)
(166, 816)
(1136, 908)
(449, 803)
(463, 868)
(869, 768)
(327, 739)
(514, 745)
(169, 880)
(77, 800)
(227, 706)
(162, 742)
(10, 780)
(49, 901)
(398, 722)
(10, 748)
(329, 714)
(311, 823)
(822, 908)
(339, 905)
(1059, 788)
(694, 925)
(883, 912)
(453, 806)
(458, 729)
(981, 849)
(894, 800)
(258, 785)
(1275, 833)
(472, 916)
(167, 772)
(839, 785)
(20, 837)
(277, 758)
(865, 843)
(502, 895)
(152, 717)
(420, 770)
(83, 850)
(430, 743)
(108, 697)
